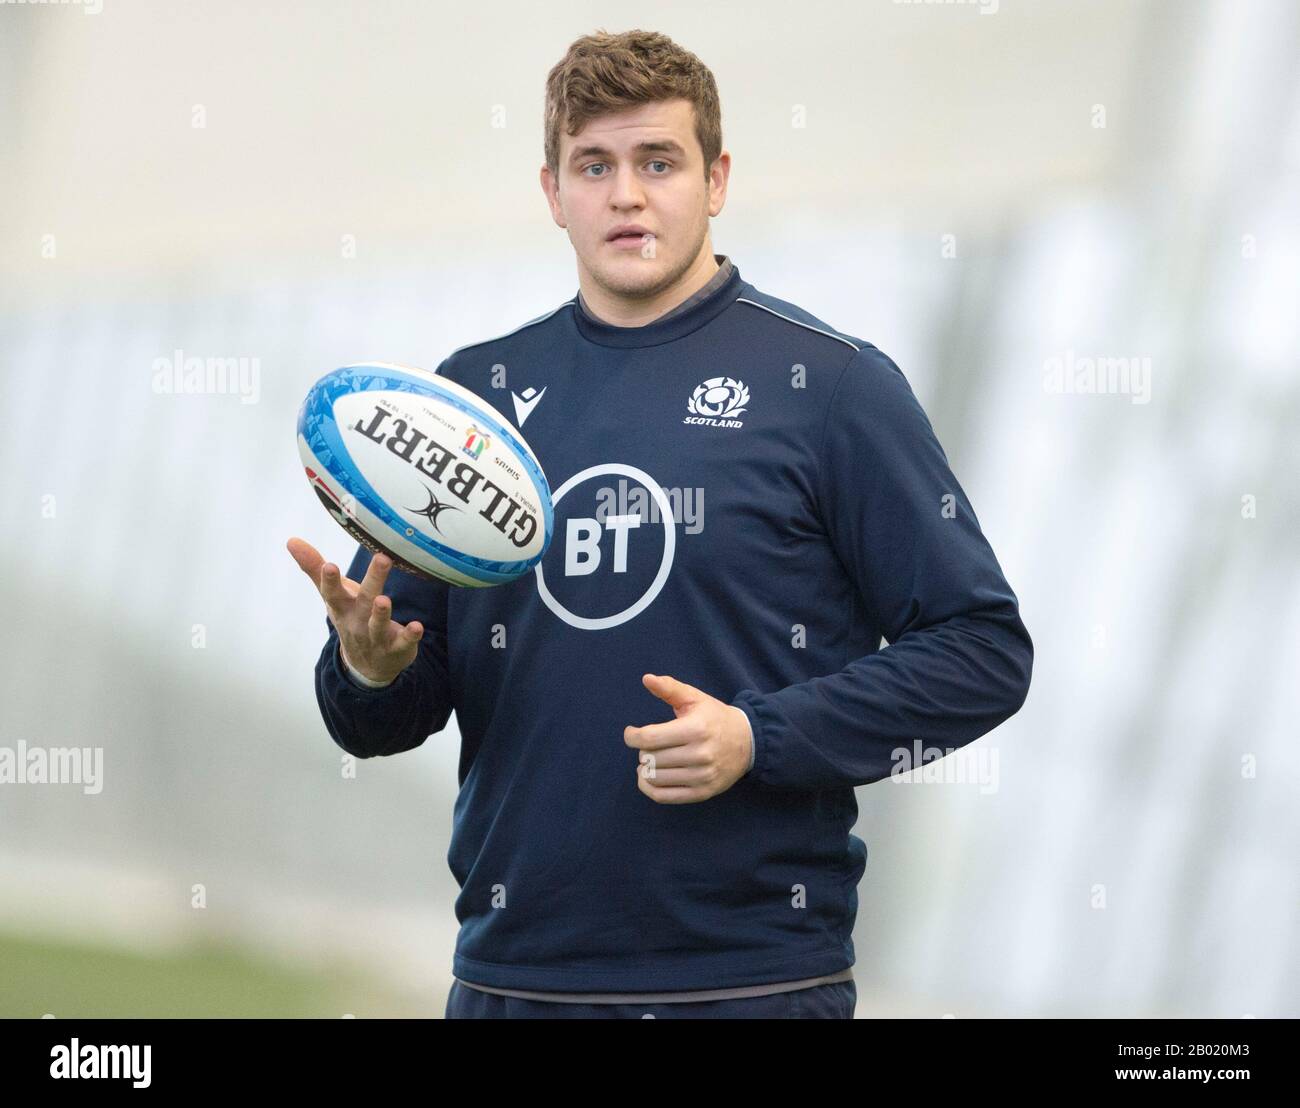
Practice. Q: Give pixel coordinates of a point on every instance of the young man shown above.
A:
(663, 726)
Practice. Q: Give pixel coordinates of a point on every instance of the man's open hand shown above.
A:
(371, 641)
(701, 753)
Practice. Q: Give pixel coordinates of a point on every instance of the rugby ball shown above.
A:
(420, 468)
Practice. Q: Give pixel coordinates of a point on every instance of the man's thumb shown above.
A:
(670, 690)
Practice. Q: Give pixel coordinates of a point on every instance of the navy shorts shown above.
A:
(834, 1001)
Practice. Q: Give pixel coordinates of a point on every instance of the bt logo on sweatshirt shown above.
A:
(609, 560)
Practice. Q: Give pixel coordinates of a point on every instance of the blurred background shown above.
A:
(997, 195)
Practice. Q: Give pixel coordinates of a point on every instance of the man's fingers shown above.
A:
(676, 757)
(372, 584)
(339, 592)
(662, 736)
(676, 777)
(672, 794)
(380, 614)
(332, 588)
(307, 556)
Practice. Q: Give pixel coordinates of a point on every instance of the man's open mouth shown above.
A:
(628, 234)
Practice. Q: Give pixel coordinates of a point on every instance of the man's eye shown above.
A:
(601, 165)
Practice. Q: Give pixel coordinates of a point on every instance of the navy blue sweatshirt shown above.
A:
(747, 500)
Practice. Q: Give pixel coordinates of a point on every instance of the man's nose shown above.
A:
(628, 192)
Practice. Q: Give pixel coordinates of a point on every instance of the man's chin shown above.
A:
(635, 276)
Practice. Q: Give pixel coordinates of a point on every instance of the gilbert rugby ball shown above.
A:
(420, 468)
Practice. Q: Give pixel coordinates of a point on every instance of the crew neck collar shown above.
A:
(672, 325)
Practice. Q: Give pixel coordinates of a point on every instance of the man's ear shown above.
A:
(551, 187)
(719, 174)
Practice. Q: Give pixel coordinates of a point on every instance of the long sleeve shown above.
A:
(399, 716)
(958, 659)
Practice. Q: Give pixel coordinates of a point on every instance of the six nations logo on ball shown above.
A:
(717, 401)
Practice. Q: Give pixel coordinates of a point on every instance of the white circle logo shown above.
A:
(586, 623)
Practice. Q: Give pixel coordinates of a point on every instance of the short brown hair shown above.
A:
(603, 73)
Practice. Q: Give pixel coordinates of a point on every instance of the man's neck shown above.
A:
(621, 312)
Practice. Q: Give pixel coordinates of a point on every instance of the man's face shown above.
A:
(641, 166)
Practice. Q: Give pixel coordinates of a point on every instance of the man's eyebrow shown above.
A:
(659, 146)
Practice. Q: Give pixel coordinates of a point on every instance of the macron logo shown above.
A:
(525, 404)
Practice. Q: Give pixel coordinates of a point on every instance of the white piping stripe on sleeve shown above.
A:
(798, 323)
(539, 319)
